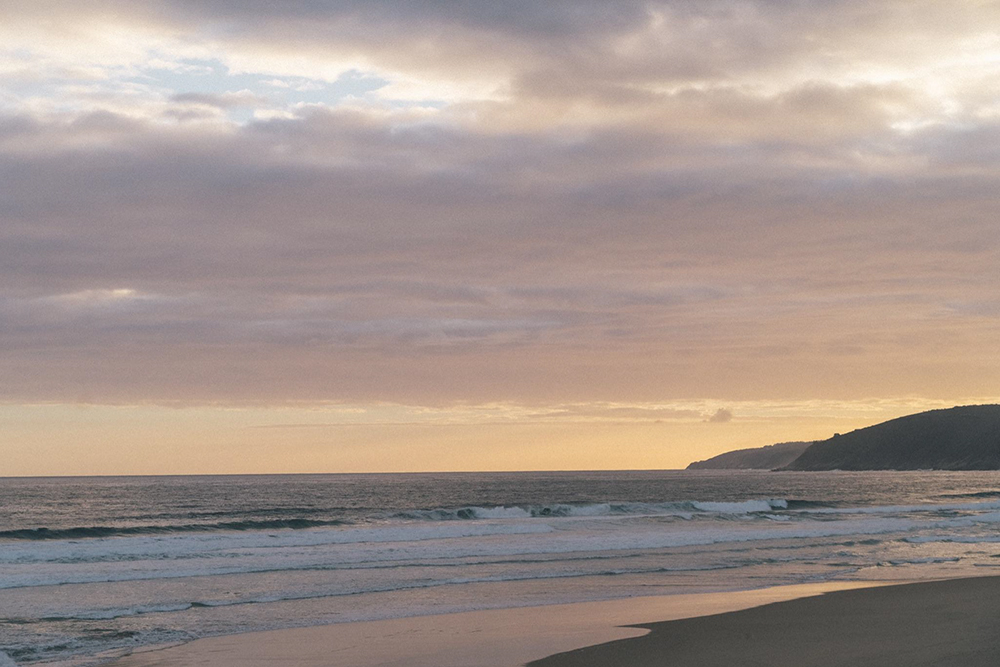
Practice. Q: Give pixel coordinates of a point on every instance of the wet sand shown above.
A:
(492, 638)
(952, 623)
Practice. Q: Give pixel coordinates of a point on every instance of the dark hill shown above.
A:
(758, 458)
(962, 438)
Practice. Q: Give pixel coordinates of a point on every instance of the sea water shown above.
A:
(93, 568)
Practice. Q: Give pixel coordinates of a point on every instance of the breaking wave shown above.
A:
(85, 532)
(682, 509)
(980, 494)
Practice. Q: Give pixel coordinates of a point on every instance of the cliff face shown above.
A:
(758, 458)
(962, 438)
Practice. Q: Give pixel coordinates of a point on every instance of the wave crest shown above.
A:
(682, 509)
(85, 532)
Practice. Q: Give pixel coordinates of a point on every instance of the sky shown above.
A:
(307, 236)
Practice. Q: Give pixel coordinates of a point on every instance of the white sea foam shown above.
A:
(681, 509)
(904, 509)
(922, 561)
(745, 507)
(956, 539)
(222, 554)
(202, 545)
(501, 513)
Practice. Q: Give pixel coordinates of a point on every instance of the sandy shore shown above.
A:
(492, 638)
(952, 623)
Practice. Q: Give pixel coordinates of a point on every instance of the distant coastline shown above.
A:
(960, 438)
(755, 458)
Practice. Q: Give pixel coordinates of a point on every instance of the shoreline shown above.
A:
(945, 623)
(509, 637)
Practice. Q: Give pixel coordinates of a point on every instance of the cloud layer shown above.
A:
(430, 202)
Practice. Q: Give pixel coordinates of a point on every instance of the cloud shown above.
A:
(721, 416)
(554, 201)
(334, 241)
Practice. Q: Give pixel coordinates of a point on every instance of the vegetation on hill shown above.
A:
(961, 438)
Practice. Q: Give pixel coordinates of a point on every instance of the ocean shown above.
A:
(94, 568)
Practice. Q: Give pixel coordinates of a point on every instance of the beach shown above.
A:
(949, 622)
(941, 623)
